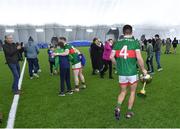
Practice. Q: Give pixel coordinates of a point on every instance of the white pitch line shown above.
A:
(12, 113)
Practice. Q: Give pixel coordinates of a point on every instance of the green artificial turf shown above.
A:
(40, 106)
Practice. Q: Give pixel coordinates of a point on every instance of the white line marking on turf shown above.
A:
(12, 113)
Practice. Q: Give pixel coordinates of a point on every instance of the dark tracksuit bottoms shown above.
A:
(32, 62)
(51, 64)
(64, 74)
(107, 64)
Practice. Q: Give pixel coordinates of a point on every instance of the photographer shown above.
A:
(11, 55)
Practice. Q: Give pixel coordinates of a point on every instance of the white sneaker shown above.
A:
(36, 75)
(55, 72)
(84, 86)
(160, 69)
(76, 89)
(31, 78)
(39, 71)
(97, 71)
(70, 93)
(62, 95)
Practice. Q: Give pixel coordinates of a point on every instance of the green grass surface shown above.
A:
(40, 105)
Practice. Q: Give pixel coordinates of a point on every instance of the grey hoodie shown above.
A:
(31, 49)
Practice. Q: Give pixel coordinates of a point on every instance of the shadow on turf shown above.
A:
(141, 95)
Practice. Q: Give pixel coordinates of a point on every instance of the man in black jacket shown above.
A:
(11, 55)
(96, 52)
(175, 43)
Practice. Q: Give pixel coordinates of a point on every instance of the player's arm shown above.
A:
(65, 53)
(112, 56)
(140, 61)
(77, 50)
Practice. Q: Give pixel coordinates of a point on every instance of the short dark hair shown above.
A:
(127, 30)
(110, 39)
(54, 39)
(95, 39)
(61, 44)
(63, 38)
(149, 41)
(157, 35)
(51, 46)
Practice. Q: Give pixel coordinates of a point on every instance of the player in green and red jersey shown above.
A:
(73, 54)
(127, 53)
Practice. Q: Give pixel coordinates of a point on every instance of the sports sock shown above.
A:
(129, 110)
(119, 105)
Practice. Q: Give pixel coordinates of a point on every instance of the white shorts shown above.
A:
(128, 80)
(77, 66)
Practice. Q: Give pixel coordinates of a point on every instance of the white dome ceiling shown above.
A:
(90, 12)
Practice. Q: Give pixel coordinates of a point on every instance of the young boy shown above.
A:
(51, 59)
(76, 63)
(149, 60)
(127, 52)
(64, 72)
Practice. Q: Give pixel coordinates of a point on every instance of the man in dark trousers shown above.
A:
(175, 43)
(11, 55)
(157, 49)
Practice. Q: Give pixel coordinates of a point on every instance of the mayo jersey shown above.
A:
(125, 50)
(73, 55)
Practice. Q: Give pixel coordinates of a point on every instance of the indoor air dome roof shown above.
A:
(90, 12)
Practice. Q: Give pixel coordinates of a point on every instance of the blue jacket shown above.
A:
(31, 50)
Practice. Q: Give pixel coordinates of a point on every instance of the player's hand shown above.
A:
(113, 61)
(144, 72)
(54, 54)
